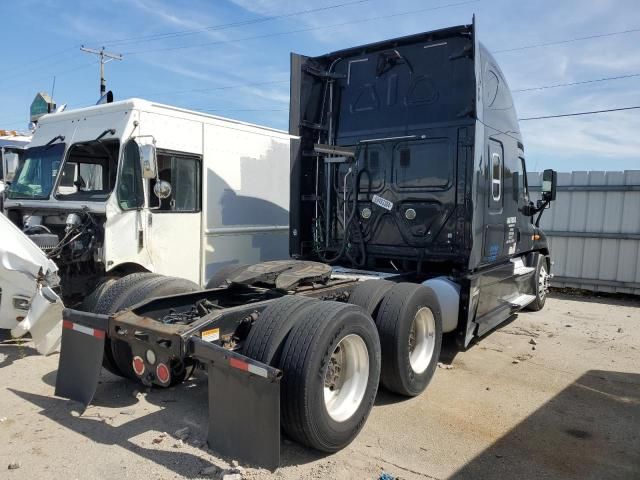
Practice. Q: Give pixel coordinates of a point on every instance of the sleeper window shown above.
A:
(422, 164)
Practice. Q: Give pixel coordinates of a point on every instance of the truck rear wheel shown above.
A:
(410, 327)
(541, 285)
(331, 366)
(369, 295)
(267, 336)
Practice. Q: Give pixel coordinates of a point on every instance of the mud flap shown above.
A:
(81, 354)
(244, 405)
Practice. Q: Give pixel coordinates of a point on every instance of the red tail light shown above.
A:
(138, 365)
(162, 373)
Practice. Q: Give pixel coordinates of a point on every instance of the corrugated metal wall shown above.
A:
(594, 230)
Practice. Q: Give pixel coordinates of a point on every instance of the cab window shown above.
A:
(89, 172)
(130, 192)
(182, 171)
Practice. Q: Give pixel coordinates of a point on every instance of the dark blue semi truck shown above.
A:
(410, 218)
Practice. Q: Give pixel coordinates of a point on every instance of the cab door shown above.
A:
(174, 223)
(124, 231)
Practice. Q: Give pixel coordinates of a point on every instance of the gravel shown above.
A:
(568, 410)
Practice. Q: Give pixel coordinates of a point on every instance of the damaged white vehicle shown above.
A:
(28, 301)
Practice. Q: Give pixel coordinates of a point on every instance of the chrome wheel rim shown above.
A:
(422, 340)
(543, 280)
(346, 377)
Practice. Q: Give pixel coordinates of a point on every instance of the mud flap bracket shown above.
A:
(244, 405)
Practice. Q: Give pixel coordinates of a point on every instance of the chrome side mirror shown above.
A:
(148, 160)
(162, 189)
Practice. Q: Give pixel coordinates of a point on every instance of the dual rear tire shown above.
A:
(334, 355)
(409, 322)
(330, 355)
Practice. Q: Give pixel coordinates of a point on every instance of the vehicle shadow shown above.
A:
(583, 296)
(12, 349)
(590, 430)
(185, 405)
(448, 353)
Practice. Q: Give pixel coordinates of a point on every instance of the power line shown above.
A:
(146, 38)
(50, 62)
(223, 26)
(569, 40)
(57, 74)
(593, 112)
(571, 84)
(272, 82)
(288, 32)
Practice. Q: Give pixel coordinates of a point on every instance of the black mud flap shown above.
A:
(81, 354)
(244, 405)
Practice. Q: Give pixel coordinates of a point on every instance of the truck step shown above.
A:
(519, 268)
(522, 300)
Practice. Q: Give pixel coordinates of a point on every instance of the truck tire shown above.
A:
(331, 370)
(540, 285)
(410, 326)
(220, 277)
(105, 304)
(90, 301)
(149, 287)
(268, 334)
(369, 294)
(155, 287)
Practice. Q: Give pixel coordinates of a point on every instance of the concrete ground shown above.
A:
(550, 395)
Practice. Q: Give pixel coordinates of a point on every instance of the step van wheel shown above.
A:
(331, 370)
(540, 285)
(148, 288)
(105, 304)
(369, 295)
(268, 334)
(410, 327)
(219, 278)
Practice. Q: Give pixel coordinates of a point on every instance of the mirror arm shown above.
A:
(540, 211)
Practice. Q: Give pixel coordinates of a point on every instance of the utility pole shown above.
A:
(103, 55)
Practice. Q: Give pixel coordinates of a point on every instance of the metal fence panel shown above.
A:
(594, 230)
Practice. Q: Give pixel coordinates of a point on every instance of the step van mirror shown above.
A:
(549, 181)
(10, 164)
(162, 189)
(148, 160)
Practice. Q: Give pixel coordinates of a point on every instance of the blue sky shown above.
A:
(41, 39)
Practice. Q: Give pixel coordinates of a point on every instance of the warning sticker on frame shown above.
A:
(211, 335)
(382, 202)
